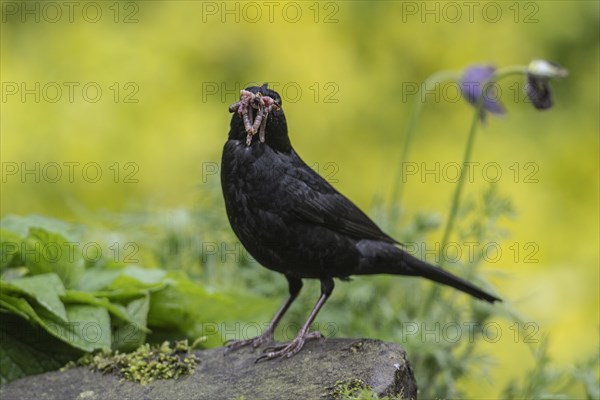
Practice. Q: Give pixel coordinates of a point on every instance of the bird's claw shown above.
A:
(234, 344)
(287, 349)
(245, 107)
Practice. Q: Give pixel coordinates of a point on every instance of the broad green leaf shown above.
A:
(21, 307)
(88, 327)
(28, 350)
(185, 307)
(45, 252)
(145, 276)
(75, 297)
(129, 335)
(138, 310)
(127, 283)
(22, 224)
(15, 305)
(177, 307)
(10, 245)
(95, 279)
(45, 289)
(125, 295)
(69, 332)
(12, 273)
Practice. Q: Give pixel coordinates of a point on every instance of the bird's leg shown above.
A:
(289, 349)
(295, 285)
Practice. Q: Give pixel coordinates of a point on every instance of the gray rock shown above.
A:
(310, 374)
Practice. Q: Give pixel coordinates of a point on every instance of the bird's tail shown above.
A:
(386, 258)
(442, 276)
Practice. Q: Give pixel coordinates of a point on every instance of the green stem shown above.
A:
(461, 180)
(398, 187)
(456, 198)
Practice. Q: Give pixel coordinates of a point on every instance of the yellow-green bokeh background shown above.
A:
(370, 52)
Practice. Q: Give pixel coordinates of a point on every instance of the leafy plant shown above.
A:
(57, 301)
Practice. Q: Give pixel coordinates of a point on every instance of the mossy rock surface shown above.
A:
(313, 373)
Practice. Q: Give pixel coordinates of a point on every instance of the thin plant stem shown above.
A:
(456, 197)
(398, 187)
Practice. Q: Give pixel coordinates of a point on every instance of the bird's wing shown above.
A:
(317, 202)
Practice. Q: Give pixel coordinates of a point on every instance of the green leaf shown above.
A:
(130, 277)
(75, 297)
(145, 276)
(28, 350)
(10, 274)
(139, 278)
(45, 289)
(95, 279)
(21, 225)
(88, 327)
(185, 309)
(176, 310)
(125, 295)
(45, 252)
(10, 244)
(15, 305)
(138, 310)
(131, 334)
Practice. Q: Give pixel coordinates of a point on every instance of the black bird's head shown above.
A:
(265, 91)
(259, 118)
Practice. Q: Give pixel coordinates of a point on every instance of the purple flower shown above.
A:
(472, 86)
(537, 88)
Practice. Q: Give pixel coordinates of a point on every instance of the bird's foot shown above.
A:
(288, 349)
(255, 342)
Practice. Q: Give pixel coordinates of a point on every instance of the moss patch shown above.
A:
(145, 364)
(354, 389)
(346, 388)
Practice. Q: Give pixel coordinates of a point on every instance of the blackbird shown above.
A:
(294, 222)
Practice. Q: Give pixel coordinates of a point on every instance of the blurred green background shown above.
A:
(167, 70)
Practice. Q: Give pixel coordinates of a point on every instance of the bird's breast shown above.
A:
(261, 210)
(251, 179)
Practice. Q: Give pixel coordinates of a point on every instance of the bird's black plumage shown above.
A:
(294, 222)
